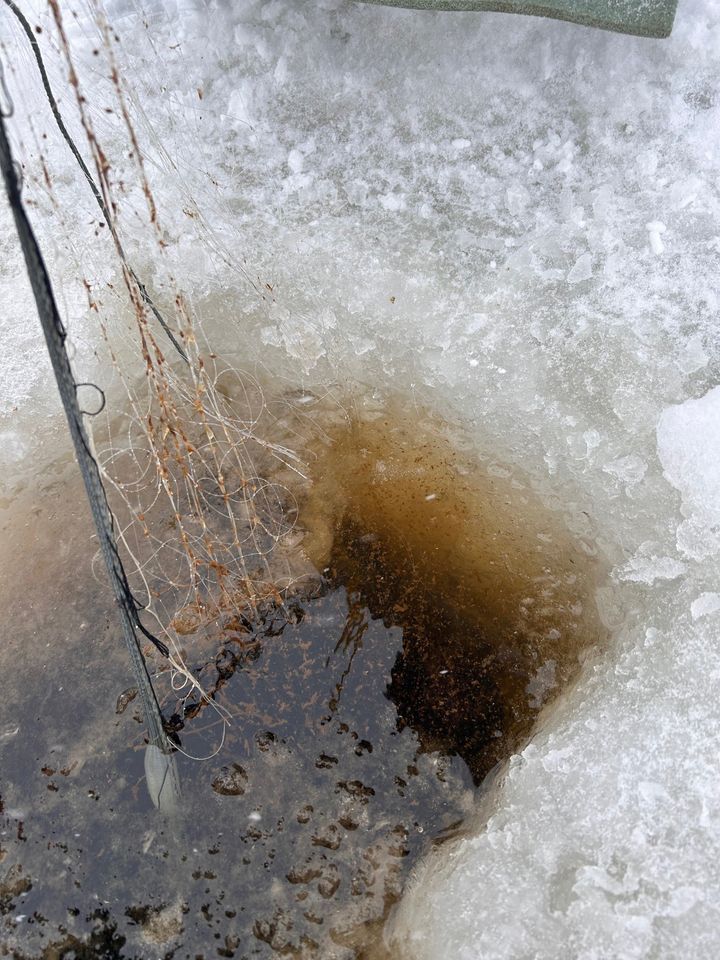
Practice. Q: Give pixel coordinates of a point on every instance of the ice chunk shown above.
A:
(688, 442)
(647, 569)
(693, 357)
(550, 875)
(706, 604)
(517, 198)
(655, 231)
(296, 161)
(631, 469)
(581, 270)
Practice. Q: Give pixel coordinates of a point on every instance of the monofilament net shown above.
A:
(202, 499)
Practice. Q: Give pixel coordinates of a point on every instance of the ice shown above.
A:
(647, 567)
(631, 469)
(548, 875)
(694, 356)
(655, 230)
(581, 270)
(689, 450)
(705, 605)
(515, 222)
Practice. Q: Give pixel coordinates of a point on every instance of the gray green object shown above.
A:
(645, 18)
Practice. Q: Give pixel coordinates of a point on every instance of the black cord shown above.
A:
(55, 338)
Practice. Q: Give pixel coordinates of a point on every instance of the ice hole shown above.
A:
(492, 594)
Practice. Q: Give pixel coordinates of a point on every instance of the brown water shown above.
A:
(493, 596)
(437, 608)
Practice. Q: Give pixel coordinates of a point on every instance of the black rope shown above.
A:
(146, 298)
(55, 338)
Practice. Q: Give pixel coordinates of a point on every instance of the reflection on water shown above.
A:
(439, 608)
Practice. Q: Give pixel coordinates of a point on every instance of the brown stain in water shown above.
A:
(494, 596)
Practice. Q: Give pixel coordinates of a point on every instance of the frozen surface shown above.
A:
(517, 222)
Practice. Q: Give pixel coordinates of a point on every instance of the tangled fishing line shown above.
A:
(189, 498)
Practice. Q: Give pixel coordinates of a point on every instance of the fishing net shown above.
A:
(198, 464)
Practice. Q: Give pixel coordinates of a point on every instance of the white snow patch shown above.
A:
(655, 230)
(705, 605)
(688, 442)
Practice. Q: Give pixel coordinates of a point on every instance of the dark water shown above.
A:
(440, 609)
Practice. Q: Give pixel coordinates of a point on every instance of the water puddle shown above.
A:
(436, 609)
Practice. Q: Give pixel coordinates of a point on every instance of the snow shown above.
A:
(655, 230)
(514, 221)
(689, 450)
(705, 605)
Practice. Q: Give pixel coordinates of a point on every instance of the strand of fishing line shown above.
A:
(146, 298)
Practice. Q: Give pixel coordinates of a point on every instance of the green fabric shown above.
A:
(645, 18)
